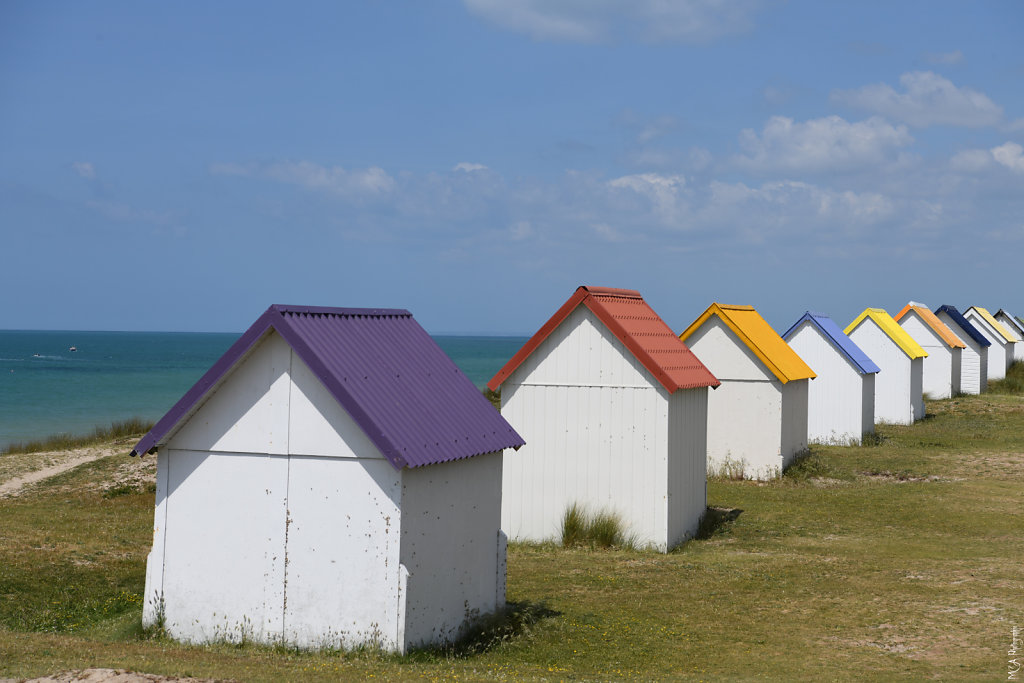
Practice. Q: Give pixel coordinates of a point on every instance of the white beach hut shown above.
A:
(757, 418)
(614, 410)
(1001, 353)
(899, 392)
(974, 355)
(1016, 330)
(943, 363)
(332, 481)
(841, 400)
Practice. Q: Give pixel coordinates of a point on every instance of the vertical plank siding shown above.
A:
(836, 398)
(599, 433)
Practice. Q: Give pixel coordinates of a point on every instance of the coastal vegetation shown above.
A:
(896, 559)
(122, 429)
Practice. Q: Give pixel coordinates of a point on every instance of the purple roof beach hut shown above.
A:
(334, 480)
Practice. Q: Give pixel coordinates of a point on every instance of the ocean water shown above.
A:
(46, 388)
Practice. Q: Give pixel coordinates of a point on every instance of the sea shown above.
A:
(66, 382)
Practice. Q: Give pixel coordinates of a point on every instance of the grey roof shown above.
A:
(843, 343)
(408, 397)
(1013, 322)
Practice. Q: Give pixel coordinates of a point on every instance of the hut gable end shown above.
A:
(720, 348)
(582, 352)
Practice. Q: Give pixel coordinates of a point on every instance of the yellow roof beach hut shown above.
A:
(757, 418)
(899, 389)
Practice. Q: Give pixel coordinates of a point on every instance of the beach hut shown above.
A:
(945, 350)
(841, 400)
(614, 411)
(333, 480)
(974, 356)
(899, 392)
(1016, 329)
(1001, 353)
(757, 418)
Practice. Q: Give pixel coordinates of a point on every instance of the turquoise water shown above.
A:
(45, 388)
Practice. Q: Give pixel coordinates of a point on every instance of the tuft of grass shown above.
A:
(494, 397)
(1012, 384)
(729, 470)
(574, 526)
(134, 426)
(602, 529)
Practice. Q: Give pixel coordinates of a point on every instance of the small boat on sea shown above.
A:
(72, 348)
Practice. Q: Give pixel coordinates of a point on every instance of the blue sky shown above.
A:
(181, 166)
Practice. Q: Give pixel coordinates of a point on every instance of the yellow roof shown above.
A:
(930, 319)
(758, 335)
(892, 329)
(995, 323)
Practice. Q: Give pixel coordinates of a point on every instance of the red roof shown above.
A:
(626, 315)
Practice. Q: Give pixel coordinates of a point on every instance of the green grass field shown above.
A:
(900, 560)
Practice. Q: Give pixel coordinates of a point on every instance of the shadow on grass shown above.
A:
(716, 521)
(515, 621)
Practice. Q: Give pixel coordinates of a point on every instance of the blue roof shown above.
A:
(964, 324)
(384, 370)
(842, 343)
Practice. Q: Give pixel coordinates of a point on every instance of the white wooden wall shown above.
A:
(794, 419)
(302, 545)
(893, 385)
(972, 379)
(687, 463)
(596, 426)
(745, 412)
(451, 548)
(998, 359)
(917, 389)
(1018, 345)
(835, 412)
(938, 366)
(868, 403)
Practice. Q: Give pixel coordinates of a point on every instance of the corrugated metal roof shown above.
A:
(385, 371)
(996, 325)
(634, 323)
(1011, 322)
(892, 329)
(844, 344)
(929, 319)
(964, 324)
(758, 335)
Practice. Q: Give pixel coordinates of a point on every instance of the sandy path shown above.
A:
(22, 469)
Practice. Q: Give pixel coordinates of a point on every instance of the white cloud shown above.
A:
(954, 57)
(928, 99)
(826, 144)
(372, 181)
(592, 21)
(85, 169)
(971, 160)
(468, 167)
(1010, 155)
(666, 194)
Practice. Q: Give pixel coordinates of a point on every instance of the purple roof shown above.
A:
(396, 383)
(843, 343)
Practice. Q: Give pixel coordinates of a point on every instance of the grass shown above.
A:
(601, 529)
(1012, 384)
(899, 560)
(135, 426)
